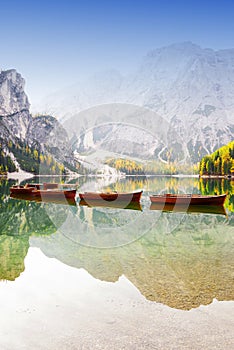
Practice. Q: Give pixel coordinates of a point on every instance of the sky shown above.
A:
(55, 43)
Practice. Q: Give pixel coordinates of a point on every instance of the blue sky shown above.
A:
(56, 43)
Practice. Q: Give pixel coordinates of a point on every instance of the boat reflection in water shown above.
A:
(45, 199)
(115, 204)
(203, 209)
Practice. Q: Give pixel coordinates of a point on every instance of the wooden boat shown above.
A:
(188, 199)
(35, 190)
(22, 190)
(111, 196)
(117, 205)
(56, 188)
(202, 209)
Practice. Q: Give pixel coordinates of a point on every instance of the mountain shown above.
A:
(190, 87)
(14, 105)
(26, 141)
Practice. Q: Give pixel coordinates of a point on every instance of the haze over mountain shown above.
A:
(179, 100)
(191, 87)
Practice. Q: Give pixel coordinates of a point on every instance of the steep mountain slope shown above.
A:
(191, 87)
(22, 137)
(14, 106)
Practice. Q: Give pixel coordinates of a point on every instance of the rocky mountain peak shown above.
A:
(184, 80)
(12, 96)
(18, 127)
(185, 47)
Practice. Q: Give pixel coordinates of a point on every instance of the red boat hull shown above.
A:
(55, 200)
(34, 191)
(193, 199)
(110, 197)
(21, 190)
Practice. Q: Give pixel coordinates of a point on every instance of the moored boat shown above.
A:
(188, 199)
(45, 199)
(35, 190)
(23, 190)
(111, 196)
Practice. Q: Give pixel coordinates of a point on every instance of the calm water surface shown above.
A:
(113, 265)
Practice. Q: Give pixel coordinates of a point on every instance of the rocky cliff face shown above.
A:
(52, 137)
(12, 96)
(14, 106)
(44, 133)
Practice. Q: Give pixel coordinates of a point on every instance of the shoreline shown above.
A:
(25, 175)
(20, 175)
(228, 177)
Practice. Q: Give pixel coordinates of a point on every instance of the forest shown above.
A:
(30, 159)
(153, 167)
(219, 163)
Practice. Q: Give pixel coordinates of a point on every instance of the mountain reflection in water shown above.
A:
(183, 268)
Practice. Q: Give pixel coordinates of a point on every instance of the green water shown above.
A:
(179, 259)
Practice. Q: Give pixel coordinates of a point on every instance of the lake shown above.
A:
(82, 277)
